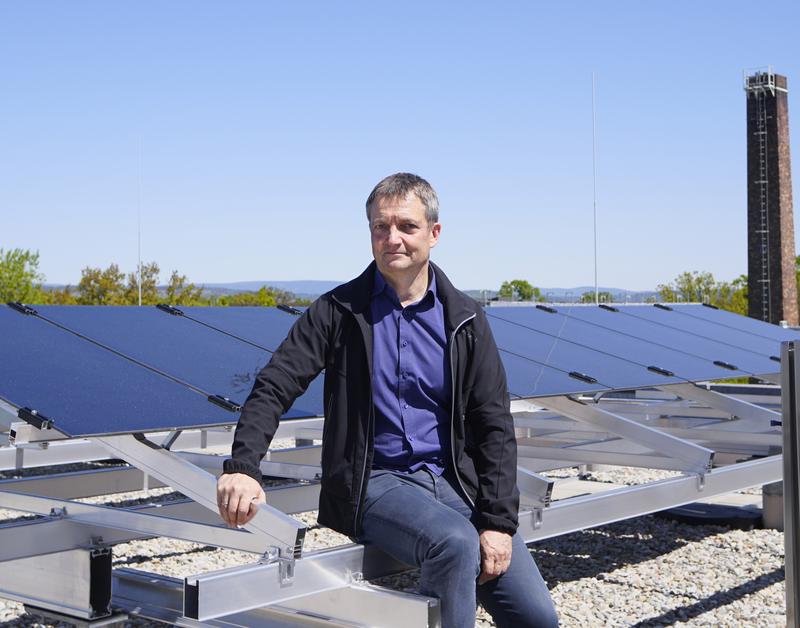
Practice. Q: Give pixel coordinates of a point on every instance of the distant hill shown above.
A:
(312, 288)
(570, 295)
(305, 288)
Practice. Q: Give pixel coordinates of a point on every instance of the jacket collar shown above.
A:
(355, 295)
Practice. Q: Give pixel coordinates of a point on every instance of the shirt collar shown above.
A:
(379, 285)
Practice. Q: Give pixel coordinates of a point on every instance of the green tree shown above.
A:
(149, 286)
(692, 286)
(20, 279)
(603, 295)
(703, 288)
(264, 296)
(519, 290)
(102, 287)
(179, 292)
(60, 296)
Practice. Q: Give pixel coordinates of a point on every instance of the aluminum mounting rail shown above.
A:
(272, 527)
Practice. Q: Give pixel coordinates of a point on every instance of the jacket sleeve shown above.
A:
(495, 445)
(297, 361)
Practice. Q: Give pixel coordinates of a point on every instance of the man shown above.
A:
(418, 454)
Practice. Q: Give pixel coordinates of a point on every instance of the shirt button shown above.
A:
(410, 437)
(405, 405)
(404, 343)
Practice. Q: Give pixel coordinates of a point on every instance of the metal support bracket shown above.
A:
(535, 490)
(284, 557)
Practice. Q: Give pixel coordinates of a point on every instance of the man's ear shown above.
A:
(436, 229)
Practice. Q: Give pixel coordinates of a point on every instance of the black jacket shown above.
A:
(334, 334)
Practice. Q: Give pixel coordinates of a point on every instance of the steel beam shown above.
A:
(726, 403)
(309, 454)
(220, 593)
(718, 431)
(791, 479)
(289, 470)
(76, 583)
(367, 605)
(573, 456)
(161, 598)
(694, 458)
(270, 525)
(22, 539)
(138, 522)
(535, 490)
(579, 513)
(89, 483)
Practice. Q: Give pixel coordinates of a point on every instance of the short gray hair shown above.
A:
(400, 185)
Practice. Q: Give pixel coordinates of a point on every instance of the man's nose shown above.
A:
(394, 235)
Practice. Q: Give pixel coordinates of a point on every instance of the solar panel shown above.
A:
(607, 370)
(637, 322)
(202, 357)
(527, 379)
(91, 389)
(644, 352)
(691, 314)
(265, 327)
(86, 390)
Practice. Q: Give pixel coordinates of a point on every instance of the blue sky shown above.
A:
(250, 133)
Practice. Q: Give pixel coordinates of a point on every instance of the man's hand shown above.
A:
(238, 496)
(495, 554)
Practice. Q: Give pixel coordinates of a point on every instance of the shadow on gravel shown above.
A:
(598, 551)
(144, 558)
(721, 598)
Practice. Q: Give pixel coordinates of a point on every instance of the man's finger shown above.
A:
(242, 509)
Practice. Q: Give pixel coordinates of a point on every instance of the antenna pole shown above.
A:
(139, 223)
(594, 191)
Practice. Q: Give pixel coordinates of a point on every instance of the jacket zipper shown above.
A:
(366, 454)
(453, 408)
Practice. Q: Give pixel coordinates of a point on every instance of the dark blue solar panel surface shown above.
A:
(625, 346)
(608, 370)
(266, 327)
(689, 343)
(527, 379)
(198, 355)
(87, 390)
(699, 328)
(743, 323)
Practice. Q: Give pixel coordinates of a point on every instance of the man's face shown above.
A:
(401, 236)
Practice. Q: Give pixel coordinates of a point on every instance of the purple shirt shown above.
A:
(410, 380)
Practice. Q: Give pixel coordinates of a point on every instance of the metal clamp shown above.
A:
(59, 512)
(537, 515)
(285, 559)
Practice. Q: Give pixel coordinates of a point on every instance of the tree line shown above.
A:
(21, 280)
(689, 287)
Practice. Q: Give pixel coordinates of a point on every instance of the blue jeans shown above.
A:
(421, 519)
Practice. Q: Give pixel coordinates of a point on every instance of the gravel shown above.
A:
(647, 571)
